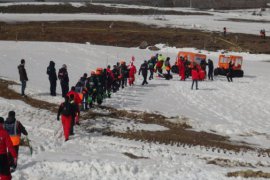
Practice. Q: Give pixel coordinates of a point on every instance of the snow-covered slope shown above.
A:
(93, 156)
(237, 109)
(215, 22)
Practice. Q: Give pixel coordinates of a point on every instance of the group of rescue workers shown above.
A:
(102, 82)
(89, 90)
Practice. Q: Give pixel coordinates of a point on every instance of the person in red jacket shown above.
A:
(195, 77)
(5, 144)
(77, 98)
(75, 101)
(182, 69)
(66, 111)
(132, 72)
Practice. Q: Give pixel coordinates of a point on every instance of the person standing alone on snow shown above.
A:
(210, 69)
(52, 77)
(64, 80)
(5, 144)
(144, 71)
(195, 77)
(14, 129)
(66, 112)
(230, 72)
(23, 76)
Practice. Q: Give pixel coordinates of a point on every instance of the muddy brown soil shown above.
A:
(249, 174)
(126, 34)
(180, 134)
(89, 8)
(7, 93)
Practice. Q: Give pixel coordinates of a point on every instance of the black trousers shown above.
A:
(210, 75)
(229, 78)
(53, 88)
(196, 82)
(65, 88)
(144, 79)
(124, 82)
(4, 165)
(151, 74)
(10, 158)
(71, 132)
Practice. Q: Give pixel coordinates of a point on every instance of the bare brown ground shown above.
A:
(132, 156)
(234, 163)
(179, 134)
(249, 174)
(126, 34)
(89, 8)
(7, 93)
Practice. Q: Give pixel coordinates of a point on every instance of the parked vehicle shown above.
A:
(191, 59)
(223, 65)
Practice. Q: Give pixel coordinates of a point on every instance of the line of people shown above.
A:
(89, 90)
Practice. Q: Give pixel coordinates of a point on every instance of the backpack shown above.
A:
(66, 109)
(48, 70)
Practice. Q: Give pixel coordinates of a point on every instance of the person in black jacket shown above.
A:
(64, 80)
(210, 69)
(124, 74)
(52, 77)
(14, 129)
(230, 72)
(23, 76)
(116, 74)
(144, 71)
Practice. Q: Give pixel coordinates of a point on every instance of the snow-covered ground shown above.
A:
(93, 156)
(238, 110)
(216, 22)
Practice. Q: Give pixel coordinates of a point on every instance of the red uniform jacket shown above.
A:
(195, 74)
(110, 73)
(5, 143)
(77, 98)
(132, 71)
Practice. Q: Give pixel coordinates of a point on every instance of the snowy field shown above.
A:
(232, 109)
(99, 157)
(216, 22)
(239, 110)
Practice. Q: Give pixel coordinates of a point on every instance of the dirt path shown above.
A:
(7, 93)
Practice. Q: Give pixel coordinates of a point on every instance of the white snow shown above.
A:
(238, 110)
(93, 156)
(215, 22)
(233, 109)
